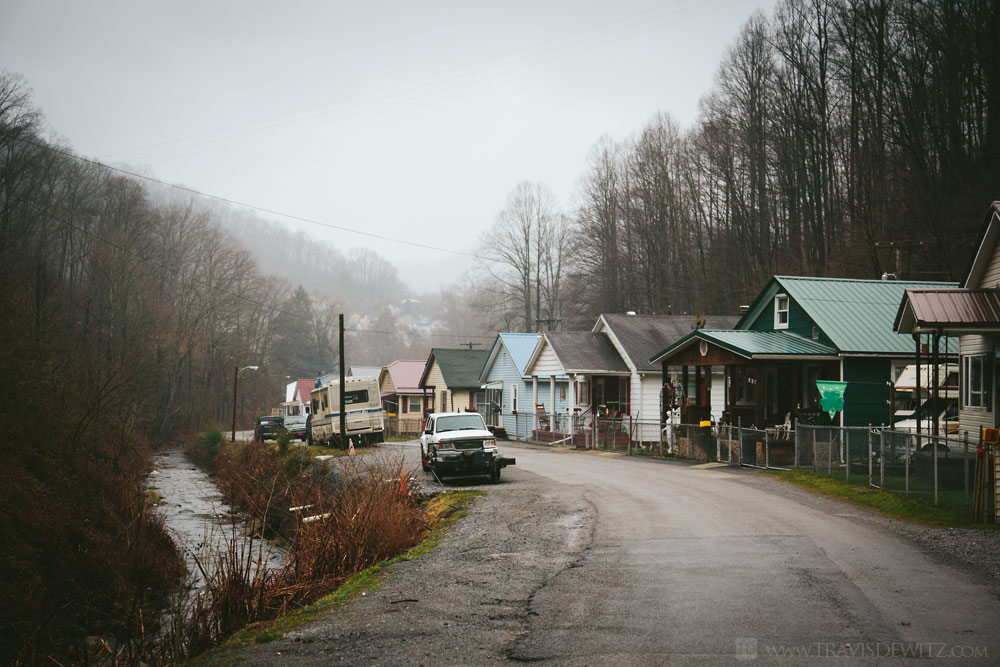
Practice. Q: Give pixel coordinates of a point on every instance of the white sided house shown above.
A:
(971, 312)
(637, 338)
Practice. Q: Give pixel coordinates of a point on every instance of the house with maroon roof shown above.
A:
(297, 397)
(404, 400)
(971, 312)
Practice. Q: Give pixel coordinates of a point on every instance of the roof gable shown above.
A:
(986, 252)
(580, 352)
(303, 389)
(519, 347)
(459, 368)
(405, 375)
(855, 316)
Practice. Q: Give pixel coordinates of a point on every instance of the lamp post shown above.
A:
(236, 383)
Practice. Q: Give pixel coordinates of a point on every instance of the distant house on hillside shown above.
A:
(452, 379)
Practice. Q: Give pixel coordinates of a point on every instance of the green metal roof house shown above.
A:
(451, 377)
(796, 331)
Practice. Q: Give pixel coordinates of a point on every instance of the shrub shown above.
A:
(284, 439)
(205, 447)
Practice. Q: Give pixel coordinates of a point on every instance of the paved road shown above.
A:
(579, 559)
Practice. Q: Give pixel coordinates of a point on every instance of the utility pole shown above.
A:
(343, 412)
(894, 254)
(549, 322)
(470, 344)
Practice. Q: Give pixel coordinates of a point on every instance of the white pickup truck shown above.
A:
(459, 444)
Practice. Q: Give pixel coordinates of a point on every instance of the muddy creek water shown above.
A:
(198, 520)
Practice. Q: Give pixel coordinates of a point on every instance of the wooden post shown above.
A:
(343, 412)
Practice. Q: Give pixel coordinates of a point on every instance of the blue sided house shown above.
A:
(515, 401)
(799, 330)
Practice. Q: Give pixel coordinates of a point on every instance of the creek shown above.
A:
(200, 523)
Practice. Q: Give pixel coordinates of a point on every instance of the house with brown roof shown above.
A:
(636, 338)
(598, 378)
(404, 400)
(971, 312)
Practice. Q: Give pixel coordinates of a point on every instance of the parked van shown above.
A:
(364, 419)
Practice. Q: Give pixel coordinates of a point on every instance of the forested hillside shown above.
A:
(839, 138)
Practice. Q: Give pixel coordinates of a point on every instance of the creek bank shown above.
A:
(199, 521)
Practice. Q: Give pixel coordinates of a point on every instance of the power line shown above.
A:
(261, 209)
(222, 290)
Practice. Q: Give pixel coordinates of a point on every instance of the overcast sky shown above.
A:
(411, 120)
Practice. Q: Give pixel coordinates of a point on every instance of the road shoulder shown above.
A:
(466, 602)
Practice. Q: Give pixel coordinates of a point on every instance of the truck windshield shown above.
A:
(467, 422)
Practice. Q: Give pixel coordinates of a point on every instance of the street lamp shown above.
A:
(236, 383)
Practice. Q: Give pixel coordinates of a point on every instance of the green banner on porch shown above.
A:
(831, 396)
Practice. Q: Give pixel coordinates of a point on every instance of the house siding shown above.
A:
(644, 393)
(867, 395)
(718, 392)
(798, 322)
(991, 277)
(645, 405)
(547, 363)
(461, 401)
(972, 419)
(436, 379)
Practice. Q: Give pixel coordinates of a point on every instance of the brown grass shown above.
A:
(368, 516)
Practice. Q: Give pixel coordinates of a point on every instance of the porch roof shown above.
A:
(750, 344)
(948, 310)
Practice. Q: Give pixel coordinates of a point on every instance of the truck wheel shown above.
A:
(495, 474)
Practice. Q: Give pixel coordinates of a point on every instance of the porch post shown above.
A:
(571, 403)
(916, 339)
(534, 402)
(552, 403)
(684, 392)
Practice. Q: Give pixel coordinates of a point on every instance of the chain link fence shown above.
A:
(939, 469)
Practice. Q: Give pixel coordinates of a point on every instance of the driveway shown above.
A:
(580, 559)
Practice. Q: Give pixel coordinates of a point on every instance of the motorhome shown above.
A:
(363, 417)
(913, 404)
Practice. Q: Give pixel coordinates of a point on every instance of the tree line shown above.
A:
(847, 138)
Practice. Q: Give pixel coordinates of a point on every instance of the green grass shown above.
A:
(896, 505)
(442, 510)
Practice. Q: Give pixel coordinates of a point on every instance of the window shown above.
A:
(513, 399)
(414, 404)
(781, 311)
(743, 385)
(975, 383)
(352, 397)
